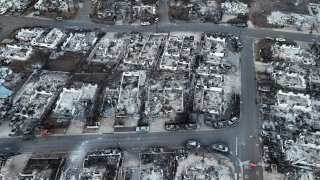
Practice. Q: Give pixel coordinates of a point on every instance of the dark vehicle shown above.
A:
(218, 125)
(28, 136)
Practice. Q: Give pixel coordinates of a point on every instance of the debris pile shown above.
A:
(235, 7)
(296, 20)
(75, 103)
(204, 166)
(204, 10)
(125, 12)
(13, 6)
(79, 42)
(43, 168)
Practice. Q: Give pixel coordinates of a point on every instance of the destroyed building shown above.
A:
(110, 49)
(290, 80)
(295, 20)
(97, 165)
(208, 96)
(235, 7)
(204, 166)
(157, 164)
(134, 48)
(28, 34)
(49, 39)
(293, 54)
(125, 12)
(33, 101)
(20, 52)
(63, 6)
(10, 7)
(75, 103)
(43, 168)
(165, 94)
(145, 52)
(110, 100)
(179, 53)
(106, 163)
(212, 52)
(203, 11)
(128, 101)
(79, 42)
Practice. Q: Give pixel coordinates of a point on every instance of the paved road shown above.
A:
(242, 138)
(10, 22)
(83, 14)
(249, 120)
(163, 12)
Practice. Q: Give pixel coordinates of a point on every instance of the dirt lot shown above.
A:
(69, 62)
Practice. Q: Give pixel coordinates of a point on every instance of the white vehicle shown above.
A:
(145, 23)
(3, 11)
(193, 144)
(59, 18)
(219, 147)
(280, 39)
(142, 129)
(232, 121)
(269, 38)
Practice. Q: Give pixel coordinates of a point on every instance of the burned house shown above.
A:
(79, 42)
(179, 52)
(128, 101)
(43, 168)
(165, 94)
(125, 12)
(75, 103)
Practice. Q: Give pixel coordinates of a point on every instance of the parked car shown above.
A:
(218, 125)
(267, 127)
(172, 127)
(59, 18)
(208, 121)
(264, 134)
(145, 23)
(280, 39)
(220, 147)
(36, 13)
(142, 128)
(193, 144)
(13, 131)
(269, 38)
(232, 121)
(190, 126)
